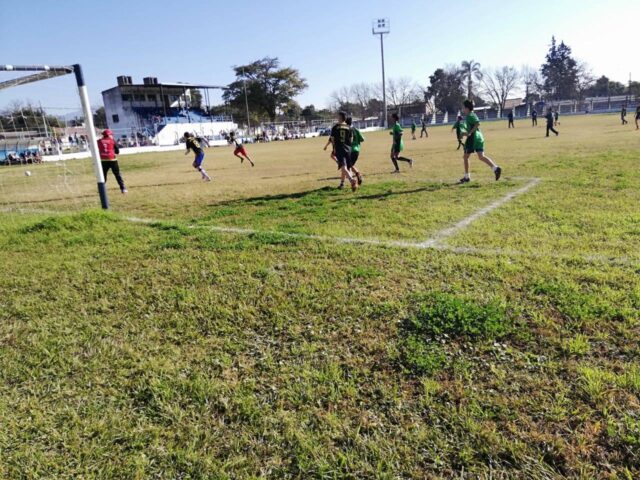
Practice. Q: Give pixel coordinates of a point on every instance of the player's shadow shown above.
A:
(395, 193)
(272, 198)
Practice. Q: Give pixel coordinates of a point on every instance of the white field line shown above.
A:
(439, 238)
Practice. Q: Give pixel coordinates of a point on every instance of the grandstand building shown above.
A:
(158, 111)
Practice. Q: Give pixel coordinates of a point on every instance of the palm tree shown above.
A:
(470, 72)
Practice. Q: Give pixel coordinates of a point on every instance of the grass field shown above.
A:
(267, 325)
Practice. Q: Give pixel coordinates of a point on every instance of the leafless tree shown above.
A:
(361, 94)
(498, 84)
(586, 79)
(341, 97)
(402, 91)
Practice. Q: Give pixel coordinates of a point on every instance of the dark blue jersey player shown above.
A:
(193, 144)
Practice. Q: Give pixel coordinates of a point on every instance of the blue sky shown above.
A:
(330, 43)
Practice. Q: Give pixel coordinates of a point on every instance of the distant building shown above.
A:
(148, 108)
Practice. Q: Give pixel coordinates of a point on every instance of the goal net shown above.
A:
(48, 153)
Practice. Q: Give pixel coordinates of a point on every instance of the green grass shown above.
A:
(158, 350)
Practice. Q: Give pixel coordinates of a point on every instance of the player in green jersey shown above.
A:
(475, 143)
(459, 127)
(356, 145)
(398, 145)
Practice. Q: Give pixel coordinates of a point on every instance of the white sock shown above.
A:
(494, 168)
(466, 175)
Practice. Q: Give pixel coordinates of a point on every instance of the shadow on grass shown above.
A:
(348, 197)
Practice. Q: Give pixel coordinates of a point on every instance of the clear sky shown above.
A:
(330, 43)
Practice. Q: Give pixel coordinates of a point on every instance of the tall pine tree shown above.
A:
(560, 72)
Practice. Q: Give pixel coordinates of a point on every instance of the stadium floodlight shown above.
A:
(382, 27)
(43, 72)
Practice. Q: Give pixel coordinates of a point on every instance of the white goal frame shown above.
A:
(44, 72)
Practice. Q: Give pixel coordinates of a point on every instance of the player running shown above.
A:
(398, 145)
(239, 152)
(355, 150)
(459, 127)
(424, 127)
(193, 144)
(550, 119)
(475, 143)
(342, 139)
(413, 129)
(108, 149)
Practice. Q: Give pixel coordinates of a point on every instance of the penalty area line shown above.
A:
(437, 241)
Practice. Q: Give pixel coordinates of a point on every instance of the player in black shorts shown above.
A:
(424, 127)
(342, 138)
(638, 118)
(534, 118)
(550, 119)
(623, 115)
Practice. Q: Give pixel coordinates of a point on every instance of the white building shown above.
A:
(161, 112)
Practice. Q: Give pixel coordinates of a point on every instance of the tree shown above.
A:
(446, 89)
(100, 118)
(560, 72)
(362, 94)
(292, 110)
(603, 87)
(342, 99)
(19, 116)
(585, 80)
(309, 113)
(634, 89)
(471, 70)
(532, 83)
(499, 83)
(402, 91)
(269, 88)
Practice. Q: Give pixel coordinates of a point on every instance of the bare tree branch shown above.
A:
(499, 83)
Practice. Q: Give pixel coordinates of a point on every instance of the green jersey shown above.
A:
(357, 140)
(477, 139)
(413, 127)
(397, 132)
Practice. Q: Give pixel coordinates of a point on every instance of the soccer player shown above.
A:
(638, 118)
(623, 115)
(108, 149)
(534, 118)
(342, 139)
(413, 129)
(355, 150)
(239, 152)
(398, 145)
(556, 117)
(459, 127)
(193, 144)
(510, 116)
(475, 143)
(550, 120)
(424, 127)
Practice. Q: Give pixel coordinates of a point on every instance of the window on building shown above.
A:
(126, 98)
(115, 118)
(139, 98)
(151, 98)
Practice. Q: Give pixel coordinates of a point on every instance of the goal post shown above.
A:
(44, 72)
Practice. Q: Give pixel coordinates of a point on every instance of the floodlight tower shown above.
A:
(382, 26)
